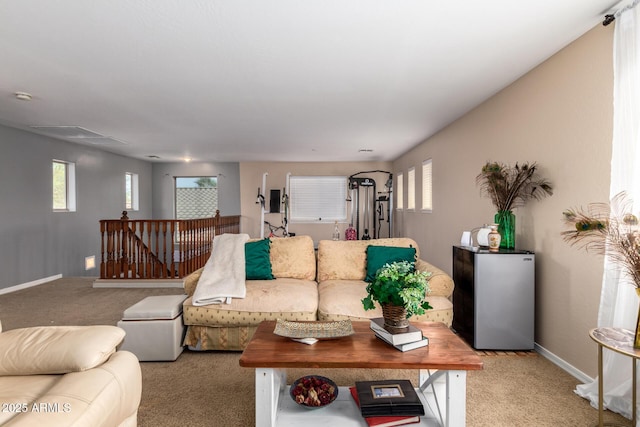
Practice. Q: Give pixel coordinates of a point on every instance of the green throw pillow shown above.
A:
(257, 261)
(378, 256)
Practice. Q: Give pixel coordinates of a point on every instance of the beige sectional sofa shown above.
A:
(325, 286)
(58, 376)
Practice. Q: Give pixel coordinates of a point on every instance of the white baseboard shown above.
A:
(138, 283)
(570, 369)
(29, 284)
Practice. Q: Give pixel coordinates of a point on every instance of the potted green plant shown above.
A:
(509, 187)
(400, 290)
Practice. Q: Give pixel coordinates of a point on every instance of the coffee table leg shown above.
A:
(269, 383)
(455, 395)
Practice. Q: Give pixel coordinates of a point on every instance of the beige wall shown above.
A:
(251, 179)
(559, 115)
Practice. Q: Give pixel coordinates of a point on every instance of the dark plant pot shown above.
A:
(395, 317)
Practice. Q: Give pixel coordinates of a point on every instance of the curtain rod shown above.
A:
(608, 19)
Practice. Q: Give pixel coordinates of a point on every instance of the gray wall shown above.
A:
(228, 185)
(37, 242)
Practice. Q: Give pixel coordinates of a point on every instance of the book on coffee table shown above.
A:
(384, 421)
(407, 346)
(412, 333)
(388, 397)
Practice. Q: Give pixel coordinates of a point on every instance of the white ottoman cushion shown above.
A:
(154, 328)
(155, 308)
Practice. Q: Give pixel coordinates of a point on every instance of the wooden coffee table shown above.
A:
(442, 366)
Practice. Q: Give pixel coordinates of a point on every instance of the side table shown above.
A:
(621, 341)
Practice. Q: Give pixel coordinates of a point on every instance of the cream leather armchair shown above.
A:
(68, 375)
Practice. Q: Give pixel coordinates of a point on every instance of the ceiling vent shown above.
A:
(77, 134)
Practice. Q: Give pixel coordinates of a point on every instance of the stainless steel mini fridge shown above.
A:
(494, 298)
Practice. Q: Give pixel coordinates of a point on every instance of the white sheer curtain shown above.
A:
(618, 300)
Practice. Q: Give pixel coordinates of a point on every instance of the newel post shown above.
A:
(124, 232)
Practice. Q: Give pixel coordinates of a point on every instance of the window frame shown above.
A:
(131, 180)
(69, 186)
(427, 186)
(330, 194)
(411, 189)
(400, 191)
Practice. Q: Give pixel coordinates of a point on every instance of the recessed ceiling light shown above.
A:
(187, 159)
(23, 96)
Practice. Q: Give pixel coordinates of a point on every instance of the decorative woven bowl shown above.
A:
(313, 391)
(319, 330)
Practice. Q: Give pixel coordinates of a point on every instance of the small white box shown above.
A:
(154, 328)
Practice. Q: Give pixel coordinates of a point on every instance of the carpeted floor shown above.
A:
(211, 389)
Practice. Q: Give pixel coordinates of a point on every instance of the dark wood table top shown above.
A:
(445, 351)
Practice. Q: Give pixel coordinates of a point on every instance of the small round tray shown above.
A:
(319, 330)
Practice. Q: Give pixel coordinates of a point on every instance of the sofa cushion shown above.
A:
(257, 261)
(347, 259)
(342, 299)
(378, 256)
(289, 299)
(293, 257)
(56, 349)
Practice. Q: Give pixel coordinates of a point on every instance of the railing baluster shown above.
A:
(131, 248)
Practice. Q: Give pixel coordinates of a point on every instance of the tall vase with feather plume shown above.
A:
(509, 187)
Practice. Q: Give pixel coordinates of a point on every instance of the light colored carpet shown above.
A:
(211, 389)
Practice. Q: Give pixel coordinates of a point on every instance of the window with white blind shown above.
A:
(427, 185)
(318, 198)
(411, 189)
(399, 191)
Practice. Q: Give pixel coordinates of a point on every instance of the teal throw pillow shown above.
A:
(257, 261)
(378, 256)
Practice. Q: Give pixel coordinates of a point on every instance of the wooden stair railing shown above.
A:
(159, 249)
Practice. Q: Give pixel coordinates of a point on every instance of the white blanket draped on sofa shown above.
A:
(223, 276)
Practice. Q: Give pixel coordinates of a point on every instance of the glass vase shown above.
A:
(636, 339)
(506, 221)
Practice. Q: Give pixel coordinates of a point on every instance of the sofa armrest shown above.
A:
(191, 281)
(440, 283)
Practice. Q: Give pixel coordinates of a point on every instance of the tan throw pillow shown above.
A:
(57, 349)
(293, 257)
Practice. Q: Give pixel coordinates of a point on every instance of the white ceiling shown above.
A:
(270, 80)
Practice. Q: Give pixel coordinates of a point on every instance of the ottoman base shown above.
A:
(150, 336)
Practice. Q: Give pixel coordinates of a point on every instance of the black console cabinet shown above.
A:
(494, 298)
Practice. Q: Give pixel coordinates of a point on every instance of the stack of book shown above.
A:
(410, 339)
(387, 403)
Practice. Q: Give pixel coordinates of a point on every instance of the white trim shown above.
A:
(138, 283)
(570, 369)
(29, 284)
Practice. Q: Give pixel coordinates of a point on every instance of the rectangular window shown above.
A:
(318, 198)
(131, 200)
(64, 186)
(427, 185)
(411, 189)
(400, 191)
(196, 197)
